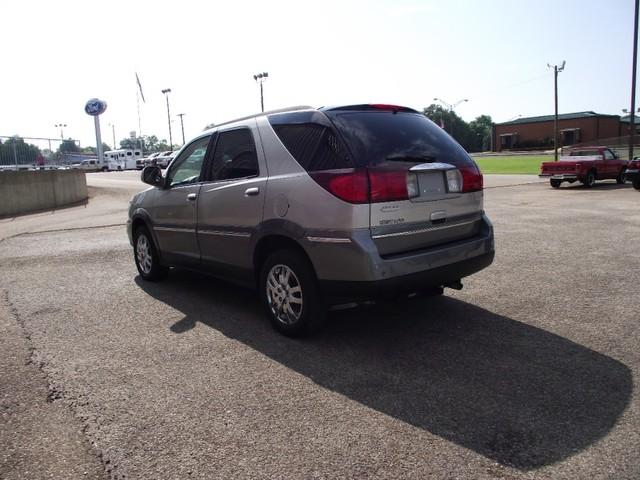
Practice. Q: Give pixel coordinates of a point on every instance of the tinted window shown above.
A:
(235, 155)
(377, 137)
(187, 168)
(608, 155)
(315, 147)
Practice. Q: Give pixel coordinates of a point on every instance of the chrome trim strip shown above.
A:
(423, 230)
(171, 229)
(431, 166)
(632, 170)
(329, 240)
(225, 233)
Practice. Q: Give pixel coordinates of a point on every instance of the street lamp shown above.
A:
(556, 69)
(260, 78)
(166, 92)
(181, 125)
(61, 126)
(450, 107)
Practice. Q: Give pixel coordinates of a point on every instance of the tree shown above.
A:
(68, 146)
(474, 136)
(481, 133)
(92, 150)
(129, 143)
(152, 144)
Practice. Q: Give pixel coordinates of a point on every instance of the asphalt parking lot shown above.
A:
(528, 372)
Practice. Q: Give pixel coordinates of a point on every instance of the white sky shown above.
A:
(56, 55)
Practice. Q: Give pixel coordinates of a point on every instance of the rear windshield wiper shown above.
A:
(411, 158)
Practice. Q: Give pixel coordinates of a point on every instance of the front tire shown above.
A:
(146, 256)
(620, 178)
(636, 183)
(555, 183)
(289, 291)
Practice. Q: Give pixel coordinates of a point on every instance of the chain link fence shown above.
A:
(25, 153)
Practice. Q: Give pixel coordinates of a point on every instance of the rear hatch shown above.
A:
(424, 189)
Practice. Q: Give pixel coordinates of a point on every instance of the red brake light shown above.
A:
(350, 184)
(388, 185)
(386, 106)
(472, 180)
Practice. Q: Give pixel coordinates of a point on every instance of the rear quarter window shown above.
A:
(311, 140)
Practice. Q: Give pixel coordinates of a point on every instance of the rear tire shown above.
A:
(290, 294)
(555, 183)
(636, 183)
(590, 180)
(620, 178)
(146, 256)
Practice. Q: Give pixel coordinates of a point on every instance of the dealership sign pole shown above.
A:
(95, 107)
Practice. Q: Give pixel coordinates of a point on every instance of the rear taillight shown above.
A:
(350, 185)
(392, 185)
(471, 179)
(360, 185)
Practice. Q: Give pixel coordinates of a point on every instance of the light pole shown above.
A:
(181, 125)
(556, 69)
(451, 107)
(632, 121)
(166, 92)
(113, 132)
(61, 126)
(260, 78)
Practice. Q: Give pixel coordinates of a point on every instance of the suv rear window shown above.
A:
(376, 137)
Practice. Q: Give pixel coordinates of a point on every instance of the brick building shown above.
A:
(537, 132)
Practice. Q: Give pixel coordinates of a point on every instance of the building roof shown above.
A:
(562, 116)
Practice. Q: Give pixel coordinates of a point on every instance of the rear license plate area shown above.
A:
(431, 186)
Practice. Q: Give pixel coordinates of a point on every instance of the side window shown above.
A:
(187, 167)
(314, 146)
(608, 155)
(235, 155)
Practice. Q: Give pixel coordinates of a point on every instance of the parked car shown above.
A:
(150, 160)
(164, 159)
(585, 165)
(633, 172)
(317, 207)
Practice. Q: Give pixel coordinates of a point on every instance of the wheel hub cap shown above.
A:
(284, 294)
(143, 254)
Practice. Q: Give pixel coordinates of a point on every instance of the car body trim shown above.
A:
(422, 230)
(174, 229)
(225, 233)
(329, 239)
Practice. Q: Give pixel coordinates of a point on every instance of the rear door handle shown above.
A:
(251, 192)
(192, 196)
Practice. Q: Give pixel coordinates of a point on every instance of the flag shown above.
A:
(140, 87)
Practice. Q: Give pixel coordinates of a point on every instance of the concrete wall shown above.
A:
(30, 191)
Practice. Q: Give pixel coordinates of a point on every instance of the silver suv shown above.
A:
(316, 207)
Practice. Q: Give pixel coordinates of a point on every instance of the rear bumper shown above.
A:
(559, 176)
(338, 291)
(357, 271)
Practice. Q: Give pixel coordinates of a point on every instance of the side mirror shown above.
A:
(152, 175)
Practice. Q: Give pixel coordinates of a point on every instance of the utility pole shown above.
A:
(260, 78)
(113, 132)
(166, 92)
(556, 69)
(632, 115)
(181, 125)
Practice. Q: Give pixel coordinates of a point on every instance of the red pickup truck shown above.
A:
(633, 172)
(585, 165)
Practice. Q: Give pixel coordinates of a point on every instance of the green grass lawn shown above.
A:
(512, 163)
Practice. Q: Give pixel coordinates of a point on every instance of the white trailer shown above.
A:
(124, 159)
